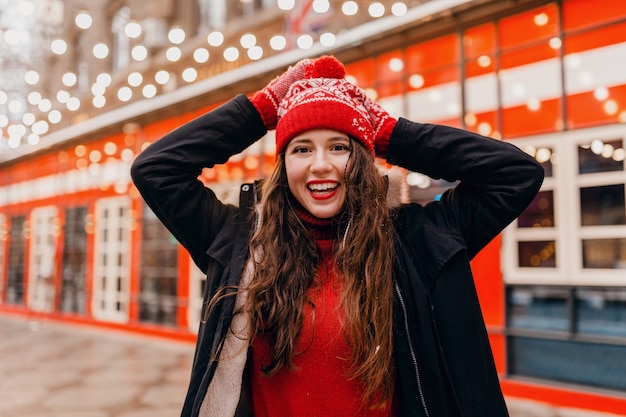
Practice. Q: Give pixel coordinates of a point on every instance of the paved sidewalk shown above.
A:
(50, 369)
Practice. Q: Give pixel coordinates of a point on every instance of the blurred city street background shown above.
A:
(52, 369)
(99, 303)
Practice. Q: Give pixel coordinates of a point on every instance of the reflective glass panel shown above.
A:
(600, 156)
(601, 311)
(602, 205)
(540, 212)
(73, 296)
(592, 364)
(604, 253)
(537, 254)
(542, 308)
(159, 267)
(17, 258)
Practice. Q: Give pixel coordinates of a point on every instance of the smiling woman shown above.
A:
(318, 289)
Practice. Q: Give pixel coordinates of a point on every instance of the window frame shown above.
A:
(104, 300)
(567, 231)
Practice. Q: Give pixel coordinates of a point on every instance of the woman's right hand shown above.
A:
(268, 99)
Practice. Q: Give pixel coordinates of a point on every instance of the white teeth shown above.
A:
(323, 187)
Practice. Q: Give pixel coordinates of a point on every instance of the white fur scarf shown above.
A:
(222, 396)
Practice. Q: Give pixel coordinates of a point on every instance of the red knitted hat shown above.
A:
(324, 100)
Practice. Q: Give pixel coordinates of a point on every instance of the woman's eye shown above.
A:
(300, 149)
(340, 147)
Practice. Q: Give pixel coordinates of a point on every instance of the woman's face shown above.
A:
(315, 162)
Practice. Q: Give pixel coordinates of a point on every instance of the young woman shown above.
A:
(321, 300)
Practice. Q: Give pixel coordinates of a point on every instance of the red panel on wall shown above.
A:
(485, 124)
(364, 71)
(565, 397)
(158, 129)
(488, 281)
(389, 89)
(432, 54)
(385, 64)
(389, 73)
(520, 120)
(579, 14)
(479, 66)
(536, 53)
(479, 40)
(585, 110)
(454, 122)
(529, 27)
(595, 39)
(437, 77)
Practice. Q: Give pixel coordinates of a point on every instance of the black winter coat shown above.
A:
(442, 353)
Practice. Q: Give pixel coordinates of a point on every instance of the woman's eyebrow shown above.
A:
(299, 141)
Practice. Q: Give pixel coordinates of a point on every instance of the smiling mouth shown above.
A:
(323, 188)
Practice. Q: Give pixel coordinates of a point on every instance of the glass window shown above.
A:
(17, 260)
(601, 311)
(540, 212)
(604, 253)
(541, 308)
(544, 155)
(537, 254)
(159, 267)
(601, 156)
(74, 267)
(596, 365)
(602, 205)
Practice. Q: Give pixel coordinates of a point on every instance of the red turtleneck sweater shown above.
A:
(319, 385)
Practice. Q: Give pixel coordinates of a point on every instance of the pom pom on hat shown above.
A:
(324, 100)
(326, 66)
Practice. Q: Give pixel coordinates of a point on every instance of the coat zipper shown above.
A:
(413, 356)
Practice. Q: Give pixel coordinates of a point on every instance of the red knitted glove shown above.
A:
(268, 99)
(383, 125)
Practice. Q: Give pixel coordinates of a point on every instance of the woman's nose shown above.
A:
(321, 162)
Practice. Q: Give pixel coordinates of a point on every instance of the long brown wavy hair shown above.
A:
(286, 261)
